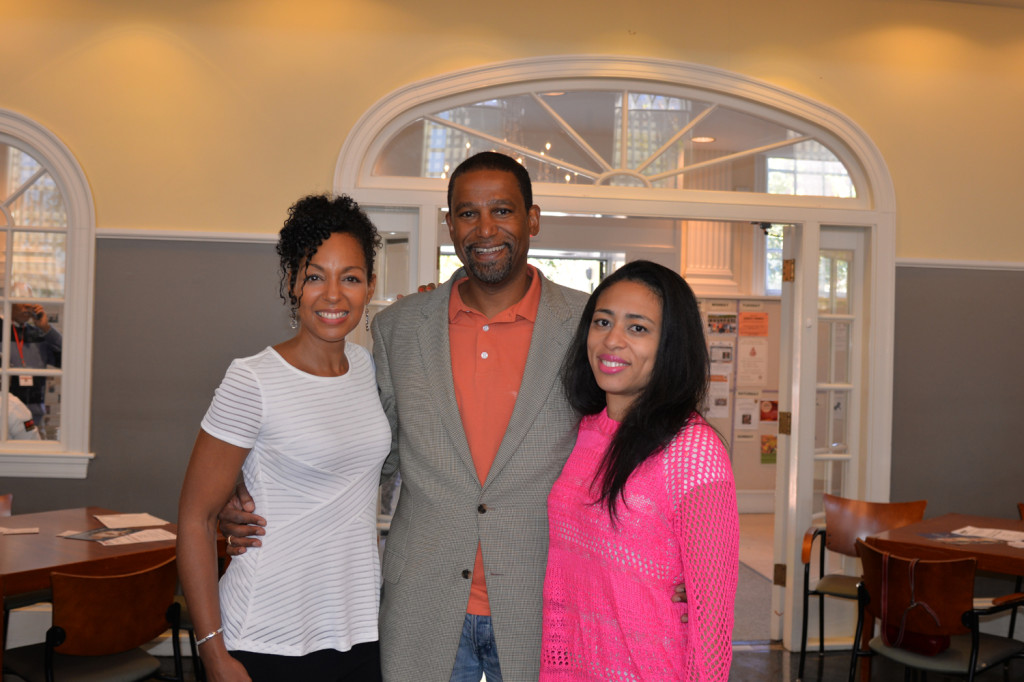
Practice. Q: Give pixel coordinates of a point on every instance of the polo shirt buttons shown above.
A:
(467, 574)
(486, 327)
(484, 355)
(482, 509)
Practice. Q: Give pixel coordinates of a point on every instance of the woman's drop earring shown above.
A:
(367, 319)
(293, 320)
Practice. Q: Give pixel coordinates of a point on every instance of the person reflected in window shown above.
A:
(35, 344)
(646, 500)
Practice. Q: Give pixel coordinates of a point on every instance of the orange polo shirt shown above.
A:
(488, 361)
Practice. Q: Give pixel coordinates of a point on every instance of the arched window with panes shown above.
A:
(47, 228)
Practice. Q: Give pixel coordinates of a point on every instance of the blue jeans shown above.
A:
(477, 654)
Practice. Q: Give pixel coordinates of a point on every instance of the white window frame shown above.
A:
(69, 457)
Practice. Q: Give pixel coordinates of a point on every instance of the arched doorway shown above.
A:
(613, 138)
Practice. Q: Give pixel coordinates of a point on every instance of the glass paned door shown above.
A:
(824, 309)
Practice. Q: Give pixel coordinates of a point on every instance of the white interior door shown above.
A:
(822, 386)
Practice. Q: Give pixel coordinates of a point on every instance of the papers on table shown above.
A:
(991, 533)
(147, 535)
(129, 520)
(120, 536)
(18, 531)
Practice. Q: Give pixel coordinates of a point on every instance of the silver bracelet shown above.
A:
(210, 636)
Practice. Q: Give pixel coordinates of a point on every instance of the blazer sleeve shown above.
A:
(386, 390)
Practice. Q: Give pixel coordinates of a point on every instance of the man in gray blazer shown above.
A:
(445, 512)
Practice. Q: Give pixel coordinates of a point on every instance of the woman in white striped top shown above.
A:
(303, 424)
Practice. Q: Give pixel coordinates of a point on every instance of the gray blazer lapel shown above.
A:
(435, 351)
(552, 333)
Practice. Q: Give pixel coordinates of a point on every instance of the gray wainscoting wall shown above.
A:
(169, 318)
(958, 415)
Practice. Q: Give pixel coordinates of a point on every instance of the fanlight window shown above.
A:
(623, 138)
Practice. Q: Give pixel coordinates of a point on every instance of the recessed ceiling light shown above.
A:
(703, 139)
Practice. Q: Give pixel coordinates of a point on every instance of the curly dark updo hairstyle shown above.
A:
(311, 221)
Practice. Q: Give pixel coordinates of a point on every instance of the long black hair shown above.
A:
(678, 383)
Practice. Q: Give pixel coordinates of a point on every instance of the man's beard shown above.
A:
(490, 273)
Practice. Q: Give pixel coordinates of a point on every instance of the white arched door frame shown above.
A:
(873, 210)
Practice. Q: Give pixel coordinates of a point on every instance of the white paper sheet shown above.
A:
(991, 533)
(129, 520)
(18, 531)
(149, 535)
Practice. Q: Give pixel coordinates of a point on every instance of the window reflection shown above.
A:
(36, 343)
(33, 254)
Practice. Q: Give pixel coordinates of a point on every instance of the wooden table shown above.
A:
(995, 557)
(26, 561)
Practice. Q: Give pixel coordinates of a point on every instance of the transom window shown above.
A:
(632, 138)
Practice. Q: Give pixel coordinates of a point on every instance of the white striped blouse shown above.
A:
(316, 449)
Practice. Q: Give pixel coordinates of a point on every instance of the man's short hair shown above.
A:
(494, 161)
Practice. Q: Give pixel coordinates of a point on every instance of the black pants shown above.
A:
(361, 663)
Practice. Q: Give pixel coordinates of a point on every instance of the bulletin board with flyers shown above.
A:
(742, 403)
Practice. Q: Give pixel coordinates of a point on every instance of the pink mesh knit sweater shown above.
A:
(608, 613)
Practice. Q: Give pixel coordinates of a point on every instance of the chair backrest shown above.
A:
(5, 504)
(848, 520)
(925, 596)
(1020, 510)
(104, 615)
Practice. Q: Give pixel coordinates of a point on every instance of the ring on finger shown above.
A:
(229, 541)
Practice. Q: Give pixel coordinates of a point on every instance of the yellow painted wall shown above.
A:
(217, 114)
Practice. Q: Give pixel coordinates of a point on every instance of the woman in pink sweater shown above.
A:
(646, 500)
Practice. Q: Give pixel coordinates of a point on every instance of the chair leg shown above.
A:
(803, 633)
(821, 625)
(174, 620)
(858, 634)
(1013, 613)
(197, 663)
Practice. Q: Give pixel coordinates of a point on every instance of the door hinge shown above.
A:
(780, 575)
(789, 270)
(785, 423)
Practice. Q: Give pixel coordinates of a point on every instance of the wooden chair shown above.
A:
(925, 605)
(99, 623)
(846, 520)
(6, 501)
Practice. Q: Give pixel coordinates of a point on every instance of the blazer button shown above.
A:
(467, 574)
(482, 509)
